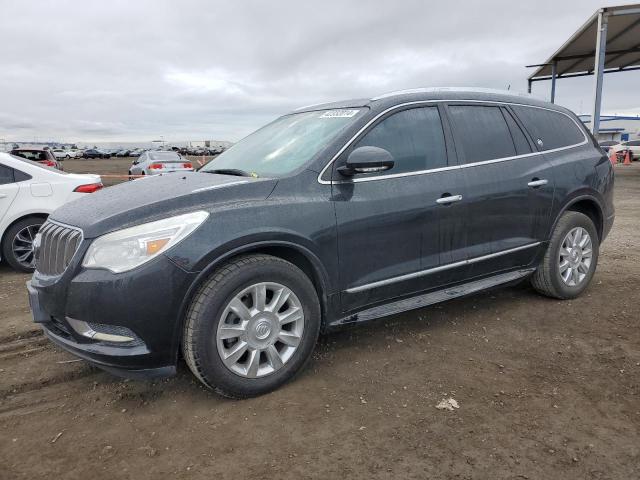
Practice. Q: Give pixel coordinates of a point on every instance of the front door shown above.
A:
(391, 228)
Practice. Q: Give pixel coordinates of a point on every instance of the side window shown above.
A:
(20, 176)
(6, 175)
(481, 132)
(555, 129)
(634, 143)
(519, 139)
(414, 137)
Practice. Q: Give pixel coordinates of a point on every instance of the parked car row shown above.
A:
(199, 151)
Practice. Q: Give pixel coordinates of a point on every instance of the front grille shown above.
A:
(58, 244)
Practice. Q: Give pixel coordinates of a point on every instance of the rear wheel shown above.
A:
(252, 326)
(17, 246)
(571, 258)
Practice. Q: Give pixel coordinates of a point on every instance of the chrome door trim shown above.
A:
(440, 268)
(441, 169)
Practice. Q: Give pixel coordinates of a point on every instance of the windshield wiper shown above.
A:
(230, 171)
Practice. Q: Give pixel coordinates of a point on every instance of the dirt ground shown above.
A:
(546, 390)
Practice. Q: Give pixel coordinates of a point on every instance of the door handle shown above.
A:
(449, 199)
(537, 183)
(3, 195)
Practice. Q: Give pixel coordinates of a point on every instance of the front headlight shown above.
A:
(129, 248)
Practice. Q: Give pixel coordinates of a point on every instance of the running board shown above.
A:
(432, 298)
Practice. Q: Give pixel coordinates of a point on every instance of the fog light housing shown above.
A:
(103, 333)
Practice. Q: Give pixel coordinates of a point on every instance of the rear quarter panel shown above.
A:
(582, 173)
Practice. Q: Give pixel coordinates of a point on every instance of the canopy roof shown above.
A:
(577, 56)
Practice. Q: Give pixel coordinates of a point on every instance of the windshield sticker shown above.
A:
(339, 114)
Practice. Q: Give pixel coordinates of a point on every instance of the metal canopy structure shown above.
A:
(608, 42)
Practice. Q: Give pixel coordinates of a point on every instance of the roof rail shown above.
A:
(449, 89)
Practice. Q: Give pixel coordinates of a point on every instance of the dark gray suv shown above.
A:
(333, 214)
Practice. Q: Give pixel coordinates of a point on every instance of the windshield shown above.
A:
(284, 145)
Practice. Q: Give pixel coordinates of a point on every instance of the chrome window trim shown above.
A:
(448, 266)
(442, 169)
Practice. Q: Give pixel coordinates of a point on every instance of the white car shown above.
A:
(29, 192)
(61, 154)
(159, 162)
(632, 145)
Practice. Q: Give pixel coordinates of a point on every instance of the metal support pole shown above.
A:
(598, 70)
(554, 74)
(529, 86)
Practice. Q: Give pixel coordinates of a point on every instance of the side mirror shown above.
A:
(367, 160)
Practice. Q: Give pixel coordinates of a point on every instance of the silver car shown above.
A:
(155, 163)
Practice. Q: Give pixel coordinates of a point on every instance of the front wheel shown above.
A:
(252, 326)
(571, 258)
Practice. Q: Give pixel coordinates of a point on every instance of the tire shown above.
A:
(26, 228)
(68, 157)
(209, 310)
(548, 279)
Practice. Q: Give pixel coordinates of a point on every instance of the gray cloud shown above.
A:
(192, 70)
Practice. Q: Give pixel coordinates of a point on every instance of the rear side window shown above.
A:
(634, 143)
(6, 175)
(414, 137)
(482, 133)
(555, 129)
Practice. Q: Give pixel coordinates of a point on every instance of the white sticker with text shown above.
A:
(339, 114)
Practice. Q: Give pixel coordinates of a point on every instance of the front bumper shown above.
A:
(145, 303)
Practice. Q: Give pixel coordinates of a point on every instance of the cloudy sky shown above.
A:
(191, 70)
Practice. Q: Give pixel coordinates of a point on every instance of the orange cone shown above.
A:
(627, 158)
(613, 157)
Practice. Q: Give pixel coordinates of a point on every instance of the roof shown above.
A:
(390, 99)
(585, 117)
(577, 55)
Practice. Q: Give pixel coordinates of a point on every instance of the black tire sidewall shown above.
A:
(565, 225)
(213, 369)
(11, 232)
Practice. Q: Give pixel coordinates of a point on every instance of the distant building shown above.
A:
(616, 127)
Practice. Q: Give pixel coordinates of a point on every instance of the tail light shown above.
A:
(89, 188)
(49, 163)
(187, 165)
(156, 166)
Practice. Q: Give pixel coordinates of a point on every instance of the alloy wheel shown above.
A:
(22, 246)
(260, 329)
(575, 257)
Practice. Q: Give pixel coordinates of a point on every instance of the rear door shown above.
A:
(509, 187)
(392, 232)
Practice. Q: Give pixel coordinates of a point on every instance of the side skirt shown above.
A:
(431, 298)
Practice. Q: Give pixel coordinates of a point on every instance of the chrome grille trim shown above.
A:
(57, 247)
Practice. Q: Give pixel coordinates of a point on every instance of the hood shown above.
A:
(156, 197)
